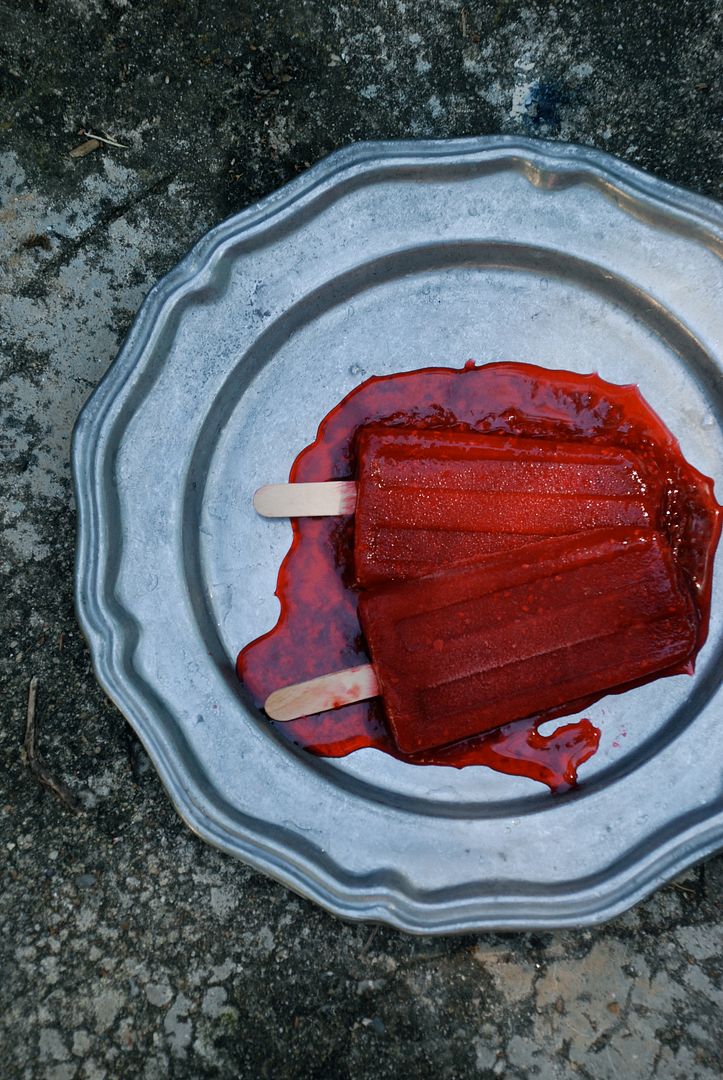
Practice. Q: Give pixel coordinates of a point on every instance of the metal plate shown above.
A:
(387, 257)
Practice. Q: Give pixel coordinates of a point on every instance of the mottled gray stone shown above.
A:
(213, 1001)
(178, 1027)
(175, 961)
(51, 1045)
(159, 995)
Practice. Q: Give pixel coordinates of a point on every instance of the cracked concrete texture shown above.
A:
(129, 948)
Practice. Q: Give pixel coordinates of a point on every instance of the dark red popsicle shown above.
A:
(432, 497)
(470, 648)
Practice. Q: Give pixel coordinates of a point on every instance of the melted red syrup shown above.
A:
(318, 630)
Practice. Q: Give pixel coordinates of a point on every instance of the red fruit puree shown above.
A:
(318, 628)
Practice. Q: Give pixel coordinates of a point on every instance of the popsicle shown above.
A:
(470, 648)
(514, 634)
(427, 498)
(430, 498)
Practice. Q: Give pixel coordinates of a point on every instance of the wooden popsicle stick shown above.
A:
(326, 692)
(328, 499)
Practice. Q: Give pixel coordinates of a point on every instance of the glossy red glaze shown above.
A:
(430, 498)
(470, 647)
(318, 629)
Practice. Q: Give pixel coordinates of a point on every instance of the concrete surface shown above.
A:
(128, 947)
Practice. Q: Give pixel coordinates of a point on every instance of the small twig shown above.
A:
(683, 888)
(367, 943)
(103, 139)
(30, 725)
(32, 758)
(85, 148)
(463, 20)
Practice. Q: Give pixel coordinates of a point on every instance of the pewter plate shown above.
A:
(387, 257)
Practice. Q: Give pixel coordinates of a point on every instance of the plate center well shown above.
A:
(491, 305)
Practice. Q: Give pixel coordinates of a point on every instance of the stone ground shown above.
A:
(130, 948)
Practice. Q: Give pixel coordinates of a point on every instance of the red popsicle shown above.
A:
(473, 647)
(428, 498)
